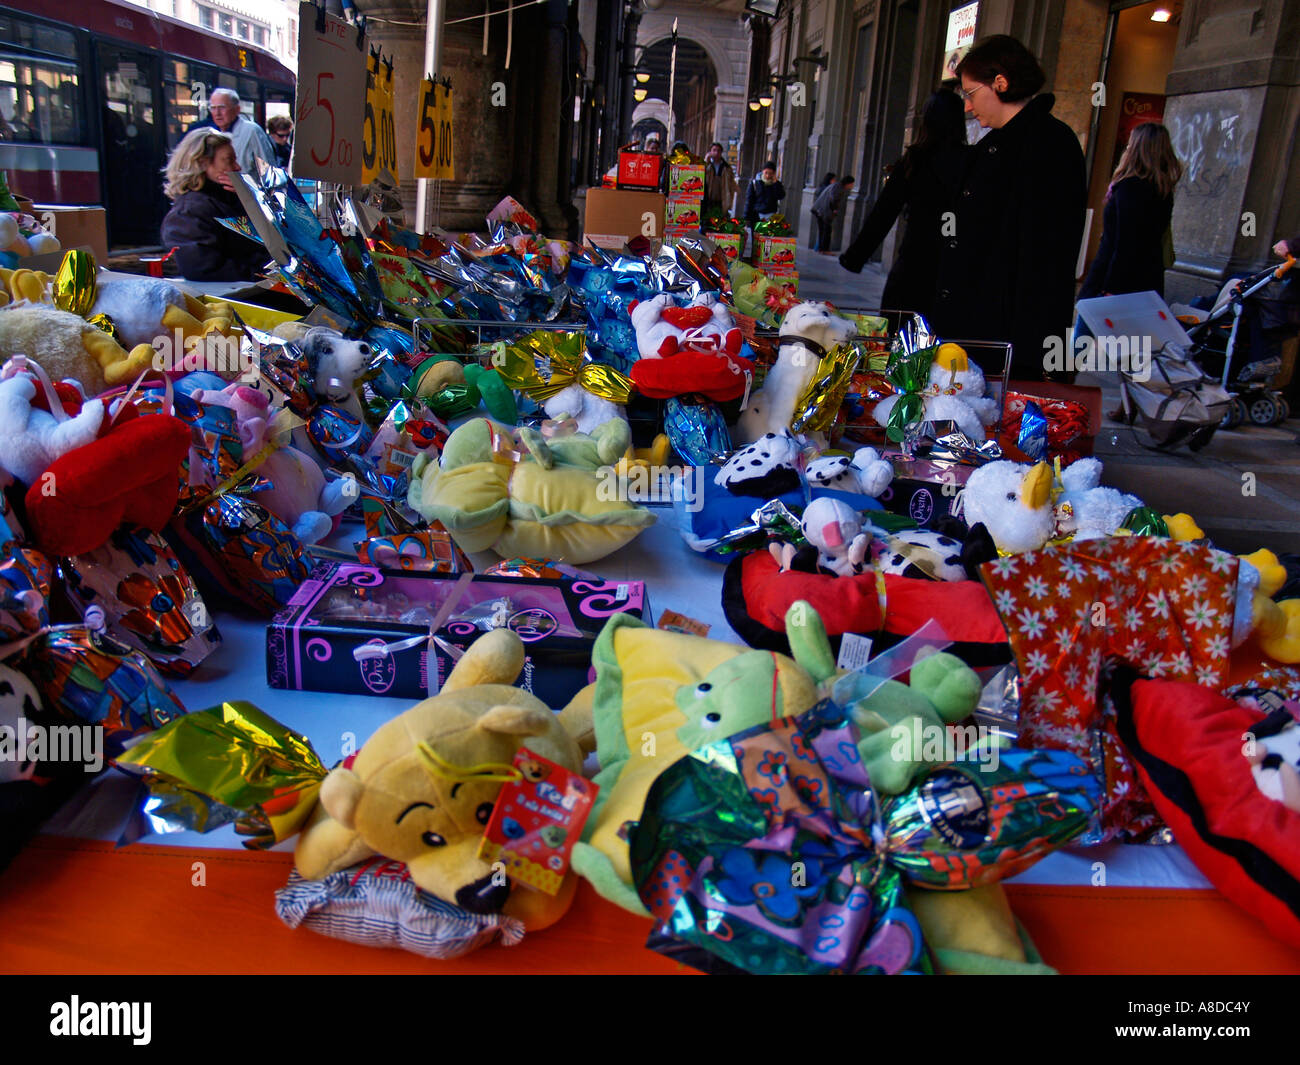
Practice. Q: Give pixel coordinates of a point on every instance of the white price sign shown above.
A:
(331, 104)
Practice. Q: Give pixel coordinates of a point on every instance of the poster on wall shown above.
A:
(1134, 109)
(961, 35)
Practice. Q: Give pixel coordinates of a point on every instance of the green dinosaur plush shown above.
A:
(604, 447)
(896, 719)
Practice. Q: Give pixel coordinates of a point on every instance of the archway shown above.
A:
(694, 94)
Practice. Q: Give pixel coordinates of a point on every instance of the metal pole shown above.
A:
(432, 55)
(672, 84)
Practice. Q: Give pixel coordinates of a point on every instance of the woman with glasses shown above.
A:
(201, 186)
(921, 187)
(1008, 249)
(280, 129)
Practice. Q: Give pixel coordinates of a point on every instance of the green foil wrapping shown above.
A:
(228, 764)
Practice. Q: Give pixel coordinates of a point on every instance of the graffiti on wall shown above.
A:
(1212, 143)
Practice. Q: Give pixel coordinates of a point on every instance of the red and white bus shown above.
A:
(90, 109)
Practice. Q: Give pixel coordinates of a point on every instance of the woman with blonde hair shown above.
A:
(1135, 219)
(200, 183)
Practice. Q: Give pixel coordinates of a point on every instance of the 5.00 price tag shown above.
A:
(433, 135)
(378, 133)
(331, 102)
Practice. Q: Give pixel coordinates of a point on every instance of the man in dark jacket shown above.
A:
(763, 195)
(719, 180)
(1009, 250)
(828, 204)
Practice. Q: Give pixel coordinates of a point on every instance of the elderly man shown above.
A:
(250, 141)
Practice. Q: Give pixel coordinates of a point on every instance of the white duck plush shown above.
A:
(956, 394)
(866, 472)
(1013, 502)
(809, 330)
(1086, 509)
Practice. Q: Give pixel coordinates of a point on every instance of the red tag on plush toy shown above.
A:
(536, 821)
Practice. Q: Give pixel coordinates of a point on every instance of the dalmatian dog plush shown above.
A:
(808, 332)
(765, 469)
(335, 363)
(865, 473)
(920, 553)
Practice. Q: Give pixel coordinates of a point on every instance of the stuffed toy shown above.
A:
(865, 472)
(835, 530)
(656, 336)
(956, 394)
(1013, 502)
(809, 331)
(451, 389)
(20, 236)
(766, 468)
(588, 410)
(68, 346)
(299, 494)
(1274, 625)
(897, 719)
(1275, 756)
(145, 308)
(31, 439)
(1085, 509)
(663, 329)
(658, 696)
(923, 553)
(531, 497)
(333, 363)
(422, 788)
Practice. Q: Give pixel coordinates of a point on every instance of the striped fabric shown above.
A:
(376, 904)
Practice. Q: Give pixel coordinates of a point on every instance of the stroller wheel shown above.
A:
(1236, 414)
(1262, 409)
(1283, 410)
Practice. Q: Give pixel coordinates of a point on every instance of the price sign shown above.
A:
(378, 133)
(433, 135)
(331, 103)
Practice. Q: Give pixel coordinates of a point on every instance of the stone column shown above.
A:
(1233, 102)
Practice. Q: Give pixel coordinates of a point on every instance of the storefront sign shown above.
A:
(331, 103)
(1134, 109)
(961, 35)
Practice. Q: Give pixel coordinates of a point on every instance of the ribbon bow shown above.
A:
(545, 363)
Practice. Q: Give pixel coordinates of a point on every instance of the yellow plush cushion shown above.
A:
(472, 501)
(637, 717)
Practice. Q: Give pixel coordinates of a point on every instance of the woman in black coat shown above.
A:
(200, 185)
(1007, 264)
(1139, 205)
(921, 187)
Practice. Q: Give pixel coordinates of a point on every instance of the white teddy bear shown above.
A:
(808, 332)
(588, 410)
(31, 438)
(721, 327)
(655, 338)
(957, 395)
(1086, 509)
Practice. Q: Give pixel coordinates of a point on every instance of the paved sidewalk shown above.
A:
(1243, 489)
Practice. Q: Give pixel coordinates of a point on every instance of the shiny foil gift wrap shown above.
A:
(430, 550)
(546, 362)
(74, 287)
(338, 433)
(228, 764)
(820, 402)
(86, 676)
(977, 821)
(758, 850)
(697, 431)
(149, 599)
(25, 578)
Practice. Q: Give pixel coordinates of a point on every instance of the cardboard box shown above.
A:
(783, 275)
(774, 251)
(639, 170)
(924, 490)
(728, 242)
(686, 179)
(684, 211)
(672, 234)
(76, 227)
(615, 216)
(313, 643)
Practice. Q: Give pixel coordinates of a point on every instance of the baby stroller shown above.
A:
(1239, 341)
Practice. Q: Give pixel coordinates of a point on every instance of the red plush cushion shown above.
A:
(128, 476)
(1187, 743)
(851, 604)
(719, 377)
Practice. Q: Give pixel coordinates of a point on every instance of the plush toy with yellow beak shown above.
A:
(1013, 502)
(1274, 625)
(956, 394)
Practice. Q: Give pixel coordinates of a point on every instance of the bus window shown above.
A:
(185, 94)
(39, 101)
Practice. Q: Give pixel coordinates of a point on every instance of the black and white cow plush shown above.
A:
(920, 553)
(766, 468)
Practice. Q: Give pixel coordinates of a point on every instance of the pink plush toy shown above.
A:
(299, 495)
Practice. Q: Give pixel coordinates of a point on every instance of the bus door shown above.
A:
(135, 148)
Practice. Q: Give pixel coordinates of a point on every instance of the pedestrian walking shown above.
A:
(719, 181)
(827, 207)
